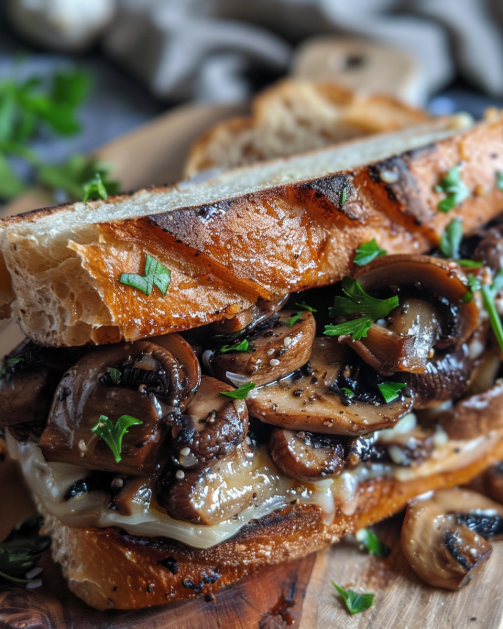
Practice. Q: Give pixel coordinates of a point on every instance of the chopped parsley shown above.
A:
(243, 346)
(95, 189)
(9, 362)
(389, 390)
(293, 319)
(372, 544)
(344, 197)
(241, 393)
(115, 374)
(357, 301)
(488, 296)
(367, 252)
(470, 264)
(21, 549)
(112, 435)
(451, 239)
(347, 392)
(455, 189)
(155, 275)
(499, 179)
(475, 284)
(355, 603)
(304, 306)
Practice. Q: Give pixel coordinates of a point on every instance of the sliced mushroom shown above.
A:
(30, 374)
(427, 279)
(305, 456)
(213, 427)
(312, 400)
(134, 495)
(276, 349)
(476, 415)
(493, 482)
(443, 536)
(490, 249)
(244, 479)
(247, 320)
(142, 380)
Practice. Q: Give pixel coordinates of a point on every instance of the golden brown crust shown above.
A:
(109, 569)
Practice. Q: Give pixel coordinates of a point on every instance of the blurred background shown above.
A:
(78, 74)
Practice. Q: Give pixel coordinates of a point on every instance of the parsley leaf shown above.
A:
(355, 603)
(488, 294)
(243, 346)
(304, 306)
(95, 189)
(475, 284)
(455, 189)
(115, 374)
(389, 390)
(347, 392)
(155, 274)
(367, 252)
(112, 435)
(451, 239)
(357, 327)
(470, 264)
(358, 302)
(499, 179)
(9, 362)
(372, 543)
(20, 551)
(241, 393)
(344, 197)
(293, 319)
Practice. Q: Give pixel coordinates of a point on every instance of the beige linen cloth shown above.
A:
(203, 49)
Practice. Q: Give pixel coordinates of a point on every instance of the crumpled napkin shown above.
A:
(204, 49)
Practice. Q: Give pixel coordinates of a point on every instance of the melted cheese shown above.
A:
(50, 483)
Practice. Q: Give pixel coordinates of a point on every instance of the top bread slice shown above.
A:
(295, 116)
(262, 231)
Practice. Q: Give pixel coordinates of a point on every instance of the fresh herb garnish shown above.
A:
(357, 327)
(367, 252)
(95, 189)
(9, 362)
(112, 435)
(455, 189)
(355, 603)
(304, 306)
(389, 390)
(293, 319)
(347, 392)
(155, 274)
(357, 301)
(241, 393)
(475, 284)
(243, 346)
(344, 197)
(499, 179)
(115, 374)
(488, 295)
(451, 239)
(470, 264)
(20, 551)
(372, 543)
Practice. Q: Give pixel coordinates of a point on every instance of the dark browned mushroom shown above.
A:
(132, 495)
(443, 537)
(213, 427)
(275, 350)
(305, 456)
(493, 482)
(29, 376)
(246, 321)
(313, 399)
(142, 380)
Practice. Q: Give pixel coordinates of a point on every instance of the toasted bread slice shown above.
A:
(112, 570)
(261, 231)
(296, 116)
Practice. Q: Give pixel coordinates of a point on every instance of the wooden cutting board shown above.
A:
(297, 594)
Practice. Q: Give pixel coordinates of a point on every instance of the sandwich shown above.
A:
(227, 374)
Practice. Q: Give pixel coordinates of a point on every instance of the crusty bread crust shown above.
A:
(295, 116)
(112, 570)
(224, 255)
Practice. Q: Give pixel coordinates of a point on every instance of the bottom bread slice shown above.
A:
(110, 569)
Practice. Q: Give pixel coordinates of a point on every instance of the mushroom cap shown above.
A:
(308, 401)
(438, 544)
